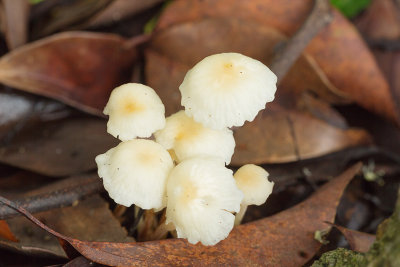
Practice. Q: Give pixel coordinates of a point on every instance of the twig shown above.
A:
(83, 186)
(319, 17)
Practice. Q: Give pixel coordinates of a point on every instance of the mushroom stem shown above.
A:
(239, 216)
(161, 231)
(146, 226)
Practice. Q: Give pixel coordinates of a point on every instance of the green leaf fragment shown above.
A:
(350, 8)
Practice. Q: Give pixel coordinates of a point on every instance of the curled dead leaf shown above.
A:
(77, 68)
(358, 241)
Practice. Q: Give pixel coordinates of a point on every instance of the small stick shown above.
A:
(320, 16)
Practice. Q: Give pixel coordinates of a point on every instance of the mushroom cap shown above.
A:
(201, 195)
(189, 138)
(225, 90)
(252, 180)
(135, 172)
(134, 110)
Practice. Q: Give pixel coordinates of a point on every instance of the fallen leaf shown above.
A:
(285, 136)
(358, 241)
(78, 68)
(380, 21)
(20, 110)
(263, 242)
(6, 233)
(59, 148)
(380, 25)
(62, 193)
(337, 50)
(90, 220)
(48, 18)
(118, 10)
(14, 15)
(285, 15)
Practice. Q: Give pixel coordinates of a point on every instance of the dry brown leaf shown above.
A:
(358, 241)
(78, 68)
(118, 10)
(380, 21)
(278, 135)
(59, 148)
(264, 242)
(90, 220)
(51, 16)
(380, 25)
(19, 110)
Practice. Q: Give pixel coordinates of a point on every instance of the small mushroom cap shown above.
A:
(225, 90)
(189, 138)
(201, 195)
(134, 110)
(252, 180)
(135, 172)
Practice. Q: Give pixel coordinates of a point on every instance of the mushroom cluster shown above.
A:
(183, 168)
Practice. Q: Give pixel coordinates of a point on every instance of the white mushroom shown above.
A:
(202, 195)
(252, 180)
(189, 138)
(135, 172)
(134, 110)
(225, 90)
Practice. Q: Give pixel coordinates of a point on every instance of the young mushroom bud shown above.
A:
(225, 90)
(135, 172)
(202, 195)
(252, 180)
(188, 138)
(134, 110)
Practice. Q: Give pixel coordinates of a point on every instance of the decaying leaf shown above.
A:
(118, 10)
(19, 110)
(59, 148)
(263, 242)
(380, 25)
(89, 220)
(358, 241)
(78, 68)
(284, 135)
(58, 15)
(62, 193)
(380, 21)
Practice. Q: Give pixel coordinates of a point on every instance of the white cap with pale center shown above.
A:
(134, 110)
(135, 172)
(225, 90)
(252, 180)
(202, 195)
(189, 138)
